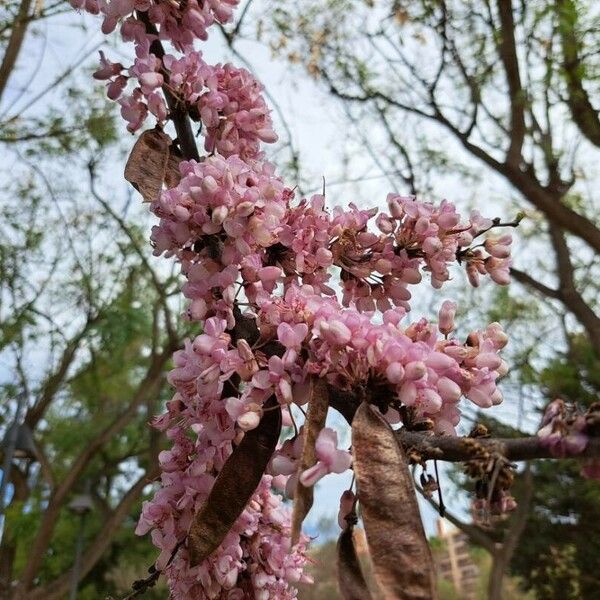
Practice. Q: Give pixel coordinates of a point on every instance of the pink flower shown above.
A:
(446, 317)
(329, 458)
(292, 336)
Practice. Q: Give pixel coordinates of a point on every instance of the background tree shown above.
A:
(87, 325)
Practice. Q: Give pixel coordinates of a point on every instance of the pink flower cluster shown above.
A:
(180, 23)
(566, 432)
(235, 114)
(227, 100)
(202, 432)
(501, 503)
(416, 367)
(563, 431)
(230, 221)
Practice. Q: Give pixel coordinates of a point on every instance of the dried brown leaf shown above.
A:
(146, 166)
(401, 556)
(351, 581)
(172, 172)
(318, 404)
(234, 485)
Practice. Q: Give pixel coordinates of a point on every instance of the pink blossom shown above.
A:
(329, 458)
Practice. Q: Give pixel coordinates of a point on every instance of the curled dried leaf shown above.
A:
(351, 581)
(146, 166)
(318, 404)
(234, 485)
(401, 556)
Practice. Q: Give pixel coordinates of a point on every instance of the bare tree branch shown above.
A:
(569, 295)
(17, 36)
(476, 534)
(534, 284)
(507, 48)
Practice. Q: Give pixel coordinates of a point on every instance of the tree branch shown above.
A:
(476, 534)
(17, 36)
(507, 49)
(548, 201)
(569, 294)
(534, 284)
(459, 449)
(148, 386)
(54, 381)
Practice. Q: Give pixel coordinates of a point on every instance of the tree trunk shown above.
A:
(499, 565)
(503, 555)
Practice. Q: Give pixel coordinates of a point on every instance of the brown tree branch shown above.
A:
(459, 449)
(548, 201)
(17, 36)
(507, 49)
(476, 534)
(53, 382)
(534, 284)
(569, 294)
(502, 557)
(177, 109)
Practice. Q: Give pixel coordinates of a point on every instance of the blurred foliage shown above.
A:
(323, 558)
(558, 555)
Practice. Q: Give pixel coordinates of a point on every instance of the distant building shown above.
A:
(454, 562)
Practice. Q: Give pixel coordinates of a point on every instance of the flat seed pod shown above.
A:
(351, 581)
(401, 556)
(318, 404)
(235, 485)
(147, 163)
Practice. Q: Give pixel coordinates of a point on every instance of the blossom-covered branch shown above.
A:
(286, 293)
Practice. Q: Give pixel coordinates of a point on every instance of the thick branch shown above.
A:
(458, 449)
